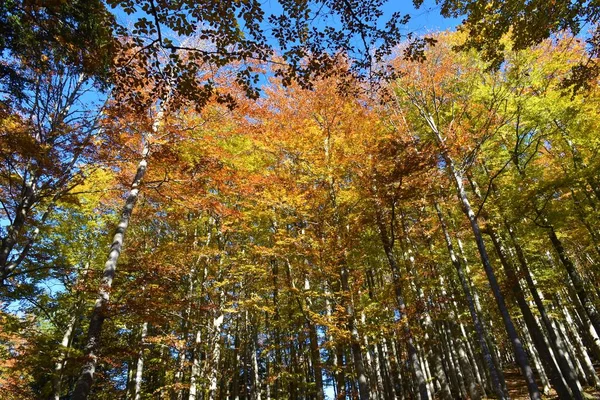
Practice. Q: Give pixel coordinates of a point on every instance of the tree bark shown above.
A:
(576, 280)
(139, 368)
(86, 378)
(479, 328)
(195, 374)
(457, 177)
(536, 333)
(387, 243)
(315, 355)
(555, 341)
(60, 363)
(520, 355)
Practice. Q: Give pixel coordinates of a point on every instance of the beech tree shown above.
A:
(435, 239)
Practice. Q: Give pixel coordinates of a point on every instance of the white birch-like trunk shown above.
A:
(84, 384)
(257, 384)
(215, 357)
(139, 369)
(195, 373)
(86, 378)
(587, 364)
(60, 363)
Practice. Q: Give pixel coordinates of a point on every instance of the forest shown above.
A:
(235, 200)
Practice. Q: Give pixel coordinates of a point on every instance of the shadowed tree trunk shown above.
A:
(576, 280)
(479, 328)
(537, 335)
(520, 355)
(387, 243)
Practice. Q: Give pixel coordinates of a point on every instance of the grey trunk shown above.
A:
(86, 378)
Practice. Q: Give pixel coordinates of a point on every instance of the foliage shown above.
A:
(309, 240)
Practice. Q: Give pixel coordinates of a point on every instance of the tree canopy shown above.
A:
(391, 216)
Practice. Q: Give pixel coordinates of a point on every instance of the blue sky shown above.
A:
(424, 20)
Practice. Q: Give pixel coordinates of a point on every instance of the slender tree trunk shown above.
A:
(139, 368)
(536, 333)
(382, 389)
(216, 339)
(475, 361)
(557, 346)
(215, 356)
(195, 373)
(60, 363)
(293, 366)
(84, 384)
(375, 388)
(336, 354)
(454, 361)
(380, 360)
(13, 231)
(465, 366)
(432, 359)
(539, 367)
(236, 361)
(181, 361)
(255, 393)
(268, 368)
(576, 280)
(390, 357)
(479, 328)
(357, 358)
(412, 351)
(457, 177)
(315, 355)
(10, 266)
(30, 193)
(438, 368)
(571, 350)
(585, 323)
(583, 355)
(68, 337)
(363, 383)
(520, 355)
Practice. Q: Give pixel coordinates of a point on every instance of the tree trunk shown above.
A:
(84, 384)
(555, 341)
(583, 355)
(215, 338)
(479, 328)
(139, 368)
(60, 363)
(536, 333)
(520, 355)
(255, 393)
(336, 353)
(412, 351)
(13, 231)
(363, 384)
(215, 356)
(539, 367)
(195, 374)
(454, 362)
(576, 280)
(465, 366)
(457, 177)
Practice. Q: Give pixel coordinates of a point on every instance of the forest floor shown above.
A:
(518, 389)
